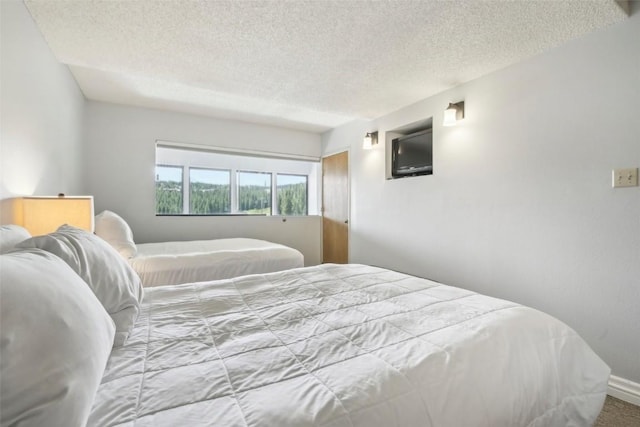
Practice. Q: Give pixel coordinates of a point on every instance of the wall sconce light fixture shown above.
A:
(370, 139)
(453, 113)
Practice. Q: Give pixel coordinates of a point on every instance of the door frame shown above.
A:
(329, 154)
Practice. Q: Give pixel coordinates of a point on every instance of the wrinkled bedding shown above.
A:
(345, 345)
(172, 263)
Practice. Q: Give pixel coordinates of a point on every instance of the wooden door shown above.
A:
(335, 208)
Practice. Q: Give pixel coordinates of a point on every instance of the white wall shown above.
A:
(41, 111)
(120, 163)
(520, 205)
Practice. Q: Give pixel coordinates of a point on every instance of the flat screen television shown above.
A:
(412, 154)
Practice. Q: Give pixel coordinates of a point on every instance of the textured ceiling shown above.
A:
(309, 65)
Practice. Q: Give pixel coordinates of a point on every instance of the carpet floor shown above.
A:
(618, 413)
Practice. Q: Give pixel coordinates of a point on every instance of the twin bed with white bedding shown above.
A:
(169, 263)
(172, 263)
(330, 345)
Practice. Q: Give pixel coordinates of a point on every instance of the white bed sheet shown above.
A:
(346, 346)
(172, 263)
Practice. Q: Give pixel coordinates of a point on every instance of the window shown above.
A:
(209, 191)
(254, 193)
(292, 194)
(194, 180)
(169, 198)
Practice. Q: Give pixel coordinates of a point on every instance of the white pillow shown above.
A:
(10, 236)
(115, 230)
(110, 277)
(55, 340)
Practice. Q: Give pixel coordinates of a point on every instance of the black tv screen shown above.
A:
(412, 154)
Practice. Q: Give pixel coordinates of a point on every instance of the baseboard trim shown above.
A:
(624, 390)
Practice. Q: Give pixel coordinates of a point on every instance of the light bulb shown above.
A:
(450, 116)
(367, 143)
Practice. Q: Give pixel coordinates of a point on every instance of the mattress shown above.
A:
(171, 263)
(346, 345)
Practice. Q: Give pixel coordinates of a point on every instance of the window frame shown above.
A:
(188, 156)
(188, 204)
(182, 188)
(237, 207)
(306, 191)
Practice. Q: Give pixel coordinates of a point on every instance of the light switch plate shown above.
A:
(625, 177)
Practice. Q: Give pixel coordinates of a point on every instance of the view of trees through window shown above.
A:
(210, 191)
(292, 194)
(168, 190)
(254, 193)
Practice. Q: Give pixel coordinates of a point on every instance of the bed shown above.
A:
(331, 345)
(171, 263)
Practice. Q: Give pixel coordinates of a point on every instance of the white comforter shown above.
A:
(346, 346)
(172, 263)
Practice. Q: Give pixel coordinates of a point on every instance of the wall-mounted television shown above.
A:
(412, 154)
